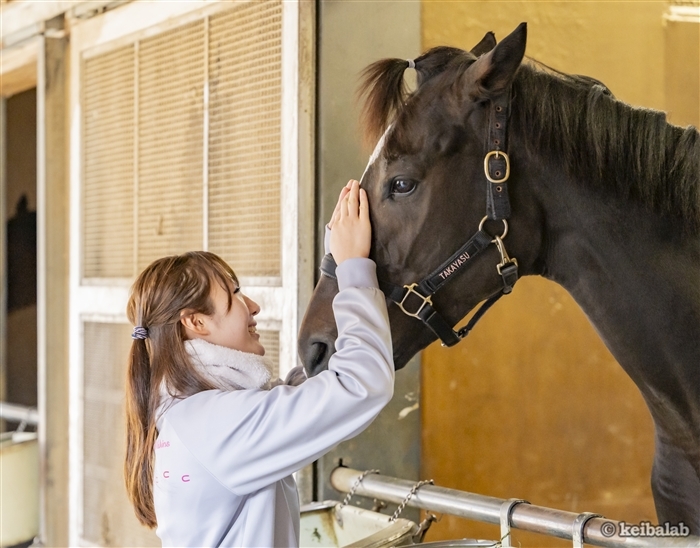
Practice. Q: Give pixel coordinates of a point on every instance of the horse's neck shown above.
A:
(635, 274)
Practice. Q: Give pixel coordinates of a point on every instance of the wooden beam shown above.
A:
(52, 290)
(18, 68)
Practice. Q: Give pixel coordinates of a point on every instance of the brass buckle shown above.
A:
(496, 153)
(411, 289)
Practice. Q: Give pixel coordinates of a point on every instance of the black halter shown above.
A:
(415, 299)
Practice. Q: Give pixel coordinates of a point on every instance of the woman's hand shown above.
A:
(351, 232)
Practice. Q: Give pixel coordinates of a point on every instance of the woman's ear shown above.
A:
(194, 323)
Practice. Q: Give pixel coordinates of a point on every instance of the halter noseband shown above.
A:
(415, 299)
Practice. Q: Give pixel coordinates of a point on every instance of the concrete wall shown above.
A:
(351, 35)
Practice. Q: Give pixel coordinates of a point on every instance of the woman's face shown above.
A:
(234, 327)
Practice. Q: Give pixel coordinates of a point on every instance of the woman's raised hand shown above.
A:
(351, 232)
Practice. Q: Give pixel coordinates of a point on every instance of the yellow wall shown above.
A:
(619, 43)
(532, 405)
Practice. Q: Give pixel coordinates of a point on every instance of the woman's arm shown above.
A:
(249, 439)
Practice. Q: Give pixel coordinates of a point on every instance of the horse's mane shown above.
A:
(577, 121)
(572, 119)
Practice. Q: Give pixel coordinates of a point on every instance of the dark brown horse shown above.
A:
(600, 197)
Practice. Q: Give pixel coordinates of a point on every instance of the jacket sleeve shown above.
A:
(249, 439)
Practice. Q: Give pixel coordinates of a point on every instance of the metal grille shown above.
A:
(170, 129)
(271, 342)
(108, 166)
(108, 518)
(245, 75)
(144, 127)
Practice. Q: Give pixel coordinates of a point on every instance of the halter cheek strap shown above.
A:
(496, 161)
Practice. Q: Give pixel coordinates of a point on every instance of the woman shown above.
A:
(211, 442)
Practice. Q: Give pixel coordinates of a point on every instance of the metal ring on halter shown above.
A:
(505, 228)
(579, 525)
(506, 511)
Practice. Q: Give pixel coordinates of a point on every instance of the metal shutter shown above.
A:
(245, 75)
(147, 132)
(108, 168)
(181, 141)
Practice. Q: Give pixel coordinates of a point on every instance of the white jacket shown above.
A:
(223, 460)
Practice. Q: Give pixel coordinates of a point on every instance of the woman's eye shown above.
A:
(236, 289)
(403, 186)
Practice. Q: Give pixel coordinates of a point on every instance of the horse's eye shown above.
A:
(403, 186)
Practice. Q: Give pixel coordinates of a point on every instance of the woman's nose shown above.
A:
(253, 307)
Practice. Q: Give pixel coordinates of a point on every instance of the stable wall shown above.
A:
(532, 405)
(351, 35)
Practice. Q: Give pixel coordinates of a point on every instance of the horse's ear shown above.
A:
(492, 73)
(488, 42)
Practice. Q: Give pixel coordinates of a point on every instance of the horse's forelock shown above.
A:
(384, 92)
(435, 61)
(384, 89)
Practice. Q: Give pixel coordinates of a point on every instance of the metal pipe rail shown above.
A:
(527, 517)
(19, 413)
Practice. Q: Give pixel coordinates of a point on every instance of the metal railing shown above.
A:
(589, 528)
(19, 413)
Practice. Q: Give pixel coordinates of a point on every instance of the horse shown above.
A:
(601, 197)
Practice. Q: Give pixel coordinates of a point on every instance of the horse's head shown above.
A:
(427, 189)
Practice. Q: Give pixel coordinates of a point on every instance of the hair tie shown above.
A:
(140, 333)
(411, 63)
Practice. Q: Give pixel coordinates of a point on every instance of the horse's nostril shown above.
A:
(317, 358)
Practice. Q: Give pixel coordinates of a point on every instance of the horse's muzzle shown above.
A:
(315, 353)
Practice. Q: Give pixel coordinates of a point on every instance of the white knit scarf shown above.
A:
(229, 369)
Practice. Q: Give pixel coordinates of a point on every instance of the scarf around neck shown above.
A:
(229, 369)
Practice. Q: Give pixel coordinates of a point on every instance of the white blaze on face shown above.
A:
(376, 153)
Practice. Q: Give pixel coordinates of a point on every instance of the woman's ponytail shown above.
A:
(140, 433)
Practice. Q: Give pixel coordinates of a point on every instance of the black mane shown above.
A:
(576, 120)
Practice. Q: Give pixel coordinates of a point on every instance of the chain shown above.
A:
(408, 497)
(350, 494)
